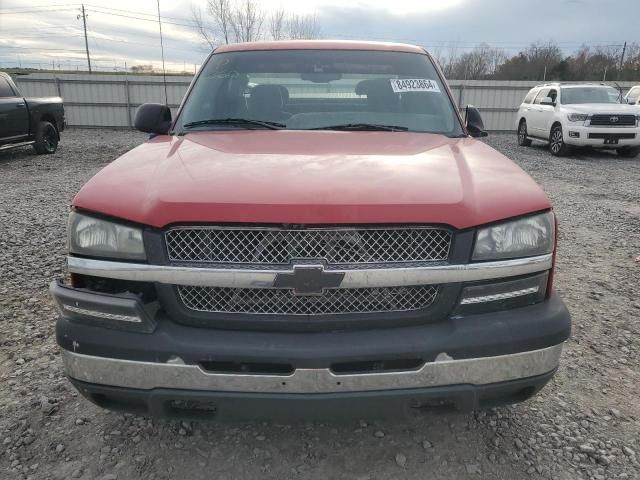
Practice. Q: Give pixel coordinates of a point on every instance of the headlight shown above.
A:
(101, 238)
(577, 117)
(524, 237)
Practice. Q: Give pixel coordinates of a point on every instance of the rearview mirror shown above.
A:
(319, 77)
(548, 101)
(473, 120)
(153, 118)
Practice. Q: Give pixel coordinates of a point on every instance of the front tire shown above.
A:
(628, 152)
(46, 141)
(523, 140)
(557, 147)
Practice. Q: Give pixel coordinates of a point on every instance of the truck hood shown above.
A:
(318, 177)
(620, 108)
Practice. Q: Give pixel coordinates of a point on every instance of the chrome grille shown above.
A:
(613, 120)
(285, 302)
(272, 246)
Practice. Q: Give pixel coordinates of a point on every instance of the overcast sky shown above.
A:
(35, 33)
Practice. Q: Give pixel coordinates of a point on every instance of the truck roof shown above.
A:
(320, 45)
(572, 85)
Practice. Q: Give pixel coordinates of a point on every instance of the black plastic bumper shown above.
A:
(496, 334)
(196, 404)
(500, 333)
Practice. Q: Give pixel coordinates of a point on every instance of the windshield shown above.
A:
(575, 95)
(319, 89)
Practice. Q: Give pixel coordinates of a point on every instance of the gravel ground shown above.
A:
(585, 424)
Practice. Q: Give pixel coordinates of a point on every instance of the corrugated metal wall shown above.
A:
(104, 100)
(111, 100)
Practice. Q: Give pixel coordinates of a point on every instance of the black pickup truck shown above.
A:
(29, 121)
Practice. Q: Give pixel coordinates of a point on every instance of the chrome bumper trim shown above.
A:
(148, 375)
(247, 278)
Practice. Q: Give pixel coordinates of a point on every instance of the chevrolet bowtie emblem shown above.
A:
(308, 279)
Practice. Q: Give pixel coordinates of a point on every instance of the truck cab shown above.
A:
(29, 121)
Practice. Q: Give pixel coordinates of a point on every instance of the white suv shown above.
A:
(633, 95)
(582, 115)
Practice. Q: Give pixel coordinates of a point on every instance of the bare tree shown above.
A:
(436, 54)
(277, 24)
(246, 21)
(478, 63)
(497, 57)
(302, 27)
(201, 28)
(221, 12)
(447, 60)
(542, 56)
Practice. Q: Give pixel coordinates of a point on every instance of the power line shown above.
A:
(93, 39)
(36, 31)
(470, 44)
(139, 13)
(56, 5)
(46, 35)
(139, 43)
(40, 48)
(38, 10)
(139, 18)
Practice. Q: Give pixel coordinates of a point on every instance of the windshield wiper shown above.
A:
(364, 127)
(236, 121)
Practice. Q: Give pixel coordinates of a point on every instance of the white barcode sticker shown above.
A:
(414, 85)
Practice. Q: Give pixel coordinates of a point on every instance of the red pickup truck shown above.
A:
(317, 230)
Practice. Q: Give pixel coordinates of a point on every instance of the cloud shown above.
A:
(397, 8)
(121, 33)
(501, 23)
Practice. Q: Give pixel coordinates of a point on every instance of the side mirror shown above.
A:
(473, 120)
(548, 101)
(153, 118)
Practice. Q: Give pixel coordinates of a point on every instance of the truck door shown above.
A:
(14, 116)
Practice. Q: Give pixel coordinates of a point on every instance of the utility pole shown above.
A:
(624, 49)
(83, 15)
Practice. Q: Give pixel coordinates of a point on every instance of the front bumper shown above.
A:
(464, 362)
(585, 133)
(441, 372)
(199, 404)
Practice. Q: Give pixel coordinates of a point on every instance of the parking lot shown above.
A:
(584, 425)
